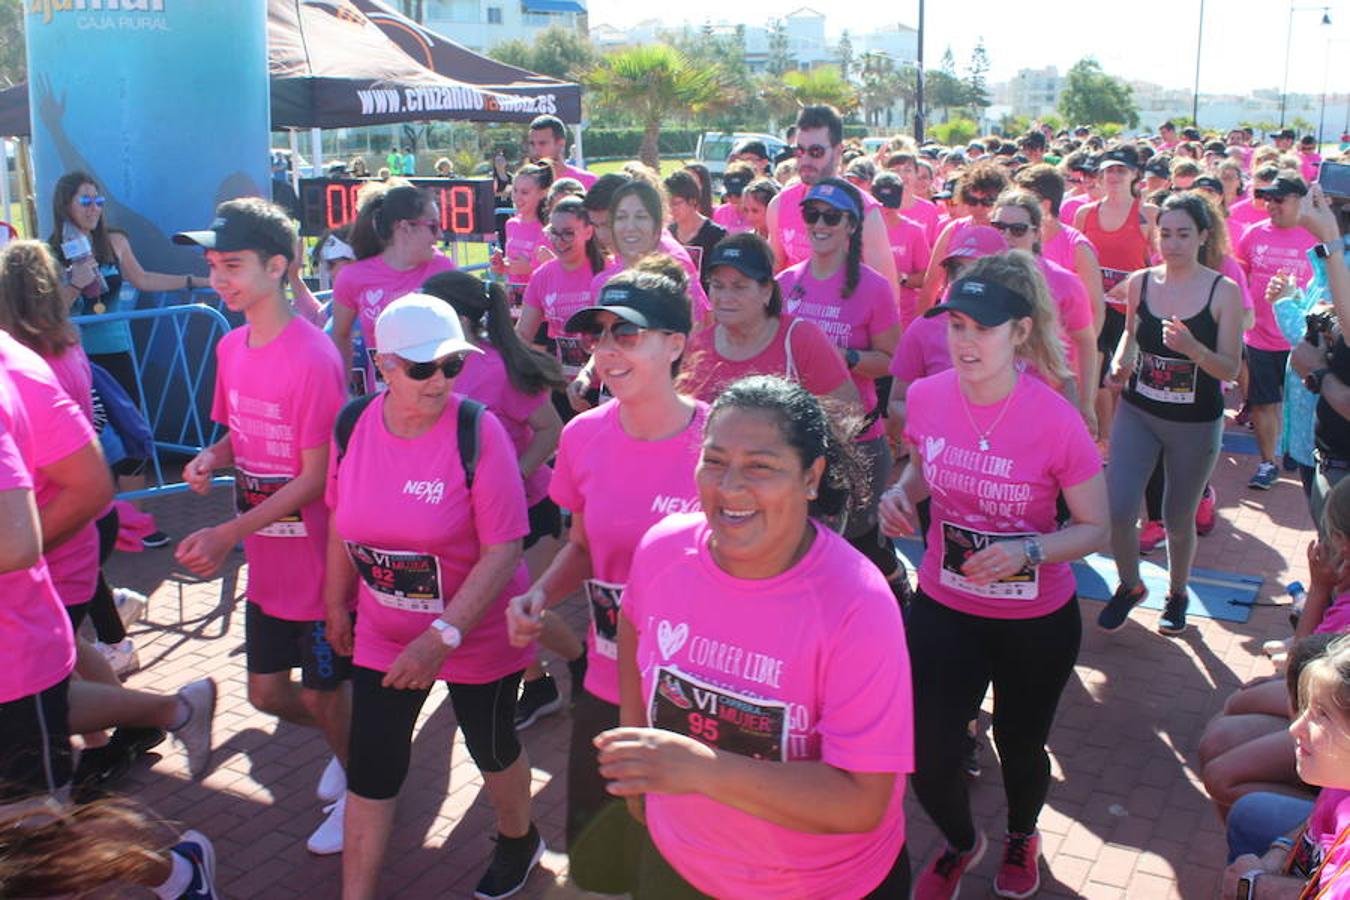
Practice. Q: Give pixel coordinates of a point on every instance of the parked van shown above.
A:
(715, 146)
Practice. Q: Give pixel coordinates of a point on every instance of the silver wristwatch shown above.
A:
(1035, 553)
(450, 635)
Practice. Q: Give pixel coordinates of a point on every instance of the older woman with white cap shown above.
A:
(428, 516)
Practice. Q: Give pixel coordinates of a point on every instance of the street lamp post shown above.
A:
(1288, 46)
(1195, 94)
(918, 85)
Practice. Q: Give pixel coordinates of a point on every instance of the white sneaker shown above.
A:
(130, 605)
(327, 838)
(195, 735)
(333, 782)
(121, 656)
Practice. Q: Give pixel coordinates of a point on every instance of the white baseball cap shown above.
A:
(420, 328)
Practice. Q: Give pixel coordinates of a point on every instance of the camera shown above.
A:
(1317, 324)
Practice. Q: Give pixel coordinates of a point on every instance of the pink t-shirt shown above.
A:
(523, 240)
(792, 231)
(484, 379)
(1241, 216)
(852, 322)
(1331, 818)
(728, 215)
(31, 615)
(414, 532)
(808, 665)
(1007, 492)
(925, 214)
(923, 350)
(558, 293)
(1264, 252)
(1069, 208)
(622, 487)
(1071, 301)
(816, 364)
(369, 285)
(1062, 249)
(1336, 617)
(911, 251)
(278, 400)
(586, 178)
(1310, 163)
(74, 565)
(1230, 268)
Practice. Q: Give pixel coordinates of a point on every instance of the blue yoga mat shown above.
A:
(1226, 596)
(1240, 443)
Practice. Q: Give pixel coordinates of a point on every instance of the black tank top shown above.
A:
(1165, 383)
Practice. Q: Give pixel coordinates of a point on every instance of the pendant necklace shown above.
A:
(983, 436)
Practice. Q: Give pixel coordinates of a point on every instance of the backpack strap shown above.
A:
(466, 435)
(346, 423)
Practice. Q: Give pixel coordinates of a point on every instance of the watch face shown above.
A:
(1244, 888)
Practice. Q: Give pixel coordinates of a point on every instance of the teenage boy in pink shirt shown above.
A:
(279, 386)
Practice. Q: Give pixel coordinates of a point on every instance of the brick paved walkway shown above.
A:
(1127, 815)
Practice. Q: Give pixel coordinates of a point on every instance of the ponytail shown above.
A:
(484, 305)
(1018, 271)
(853, 262)
(381, 206)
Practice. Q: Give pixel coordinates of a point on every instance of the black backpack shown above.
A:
(466, 431)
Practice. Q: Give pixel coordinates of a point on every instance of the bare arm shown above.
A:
(21, 547)
(85, 489)
(1090, 273)
(143, 280)
(344, 317)
(875, 362)
(528, 324)
(933, 279)
(776, 242)
(877, 251)
(547, 425)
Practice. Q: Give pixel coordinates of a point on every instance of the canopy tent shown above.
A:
(347, 63)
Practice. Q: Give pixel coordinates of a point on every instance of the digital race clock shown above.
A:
(466, 204)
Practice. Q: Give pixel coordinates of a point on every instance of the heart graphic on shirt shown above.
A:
(794, 300)
(373, 298)
(671, 639)
(932, 447)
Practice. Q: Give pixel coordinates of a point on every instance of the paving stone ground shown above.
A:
(1127, 815)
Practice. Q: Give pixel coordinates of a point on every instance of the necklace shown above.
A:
(983, 436)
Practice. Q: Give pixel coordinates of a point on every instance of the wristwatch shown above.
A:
(1313, 381)
(1325, 249)
(450, 635)
(1035, 553)
(1246, 885)
(1284, 842)
(852, 357)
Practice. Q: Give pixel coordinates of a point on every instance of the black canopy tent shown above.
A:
(348, 63)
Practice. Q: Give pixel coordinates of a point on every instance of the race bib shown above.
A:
(251, 490)
(603, 599)
(1111, 278)
(737, 723)
(571, 354)
(402, 580)
(960, 544)
(1165, 379)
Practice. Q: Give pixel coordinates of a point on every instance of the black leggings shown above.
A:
(102, 610)
(383, 720)
(954, 657)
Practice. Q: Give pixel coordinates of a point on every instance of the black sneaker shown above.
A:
(100, 767)
(511, 865)
(578, 669)
(154, 540)
(1173, 621)
(1118, 608)
(538, 698)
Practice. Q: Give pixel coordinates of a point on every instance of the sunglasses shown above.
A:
(982, 201)
(449, 367)
(832, 217)
(815, 151)
(565, 235)
(1016, 229)
(626, 335)
(92, 201)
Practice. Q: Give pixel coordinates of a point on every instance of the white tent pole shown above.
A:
(4, 180)
(295, 159)
(581, 155)
(316, 150)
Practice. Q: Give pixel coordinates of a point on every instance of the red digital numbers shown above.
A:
(331, 204)
(457, 209)
(339, 204)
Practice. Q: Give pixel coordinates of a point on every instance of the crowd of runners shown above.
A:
(702, 410)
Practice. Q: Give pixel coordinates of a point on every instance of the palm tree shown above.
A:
(653, 83)
(823, 84)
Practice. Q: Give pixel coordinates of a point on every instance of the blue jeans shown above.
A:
(1258, 818)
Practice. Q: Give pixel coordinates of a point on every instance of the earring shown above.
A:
(811, 494)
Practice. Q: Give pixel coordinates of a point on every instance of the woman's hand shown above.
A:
(1316, 215)
(418, 665)
(525, 617)
(1325, 569)
(898, 515)
(83, 272)
(1283, 284)
(1177, 337)
(576, 394)
(1119, 376)
(197, 473)
(652, 761)
(998, 560)
(338, 631)
(204, 551)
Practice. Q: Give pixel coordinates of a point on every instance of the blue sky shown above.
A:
(1153, 40)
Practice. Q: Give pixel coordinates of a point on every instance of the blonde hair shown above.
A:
(31, 308)
(1018, 271)
(1024, 200)
(1332, 670)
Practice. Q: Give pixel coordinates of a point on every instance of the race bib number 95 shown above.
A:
(724, 719)
(604, 599)
(406, 581)
(960, 544)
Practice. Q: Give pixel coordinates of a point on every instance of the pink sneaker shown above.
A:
(941, 878)
(1204, 515)
(1151, 535)
(1020, 874)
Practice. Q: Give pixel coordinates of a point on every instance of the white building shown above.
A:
(1031, 92)
(482, 24)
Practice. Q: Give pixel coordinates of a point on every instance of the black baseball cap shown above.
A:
(1282, 187)
(746, 257)
(1208, 183)
(986, 302)
(1159, 168)
(642, 306)
(752, 147)
(233, 230)
(888, 190)
(1124, 155)
(1286, 134)
(734, 185)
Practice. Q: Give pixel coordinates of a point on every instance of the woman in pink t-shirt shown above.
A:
(433, 549)
(996, 600)
(752, 336)
(755, 204)
(621, 468)
(766, 708)
(394, 238)
(526, 244)
(909, 244)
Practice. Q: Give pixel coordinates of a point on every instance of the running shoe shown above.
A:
(195, 734)
(121, 656)
(941, 878)
(1173, 621)
(512, 862)
(1151, 535)
(196, 848)
(333, 782)
(1205, 518)
(100, 767)
(154, 540)
(1266, 475)
(671, 690)
(538, 698)
(131, 605)
(1020, 874)
(1117, 609)
(327, 838)
(577, 668)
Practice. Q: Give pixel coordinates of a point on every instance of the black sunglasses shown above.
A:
(626, 335)
(815, 151)
(1017, 229)
(981, 201)
(832, 217)
(421, 371)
